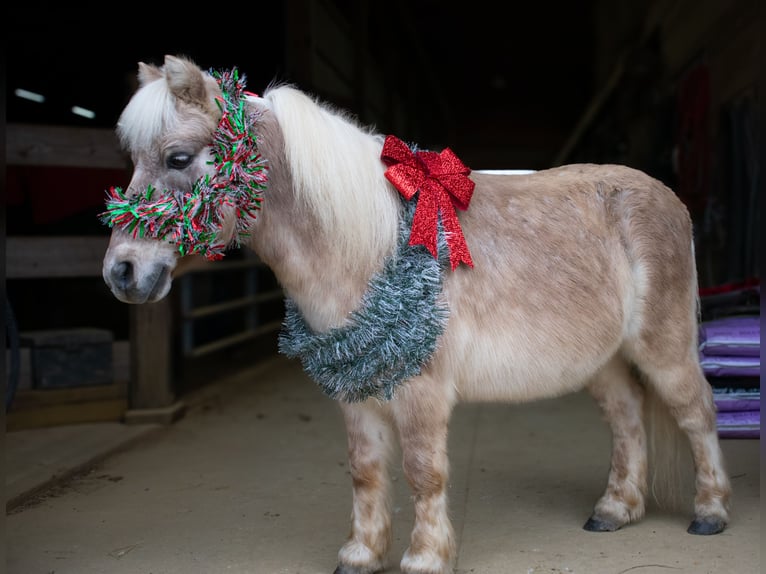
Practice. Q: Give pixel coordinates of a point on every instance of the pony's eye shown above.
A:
(179, 160)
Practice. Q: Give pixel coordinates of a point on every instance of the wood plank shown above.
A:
(45, 257)
(29, 144)
(38, 398)
(248, 301)
(231, 340)
(70, 413)
(151, 351)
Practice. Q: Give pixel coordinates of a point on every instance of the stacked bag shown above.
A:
(730, 355)
(730, 358)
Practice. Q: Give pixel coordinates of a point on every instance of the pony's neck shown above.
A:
(329, 216)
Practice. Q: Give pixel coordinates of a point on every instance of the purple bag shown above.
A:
(722, 366)
(735, 403)
(731, 336)
(744, 424)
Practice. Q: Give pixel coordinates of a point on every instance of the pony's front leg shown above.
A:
(422, 415)
(370, 441)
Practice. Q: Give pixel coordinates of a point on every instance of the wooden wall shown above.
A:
(50, 167)
(677, 95)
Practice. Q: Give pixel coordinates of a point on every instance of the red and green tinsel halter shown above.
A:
(192, 220)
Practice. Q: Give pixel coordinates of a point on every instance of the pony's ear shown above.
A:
(186, 80)
(148, 73)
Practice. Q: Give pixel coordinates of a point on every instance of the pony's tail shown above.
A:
(671, 468)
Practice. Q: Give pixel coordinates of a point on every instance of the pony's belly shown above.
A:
(508, 367)
(514, 383)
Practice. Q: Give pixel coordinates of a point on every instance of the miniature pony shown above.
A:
(582, 277)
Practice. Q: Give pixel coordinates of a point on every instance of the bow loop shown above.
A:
(406, 178)
(444, 163)
(460, 188)
(396, 151)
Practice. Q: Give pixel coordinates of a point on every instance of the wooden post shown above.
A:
(152, 398)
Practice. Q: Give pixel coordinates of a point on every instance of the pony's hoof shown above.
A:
(706, 526)
(596, 524)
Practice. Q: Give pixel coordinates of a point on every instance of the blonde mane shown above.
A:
(337, 173)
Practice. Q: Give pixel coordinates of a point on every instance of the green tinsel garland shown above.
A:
(389, 338)
(192, 220)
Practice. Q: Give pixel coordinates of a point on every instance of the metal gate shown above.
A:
(254, 305)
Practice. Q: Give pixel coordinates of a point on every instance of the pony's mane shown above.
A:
(337, 172)
(148, 114)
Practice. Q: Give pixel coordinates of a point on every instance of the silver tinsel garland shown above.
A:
(389, 338)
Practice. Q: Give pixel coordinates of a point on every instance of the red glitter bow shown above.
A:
(443, 182)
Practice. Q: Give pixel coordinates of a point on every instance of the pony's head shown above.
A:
(167, 127)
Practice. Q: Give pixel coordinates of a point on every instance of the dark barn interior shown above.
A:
(668, 87)
(645, 85)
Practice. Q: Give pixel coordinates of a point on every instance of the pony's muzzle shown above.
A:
(138, 270)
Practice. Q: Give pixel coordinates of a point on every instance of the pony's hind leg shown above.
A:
(370, 441)
(661, 339)
(689, 398)
(620, 397)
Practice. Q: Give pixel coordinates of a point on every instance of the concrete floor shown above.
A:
(254, 480)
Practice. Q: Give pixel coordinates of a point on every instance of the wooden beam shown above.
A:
(41, 398)
(29, 144)
(44, 257)
(53, 414)
(151, 351)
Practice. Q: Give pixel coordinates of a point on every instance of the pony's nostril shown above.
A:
(122, 274)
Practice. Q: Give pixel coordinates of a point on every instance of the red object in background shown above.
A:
(56, 192)
(730, 287)
(693, 138)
